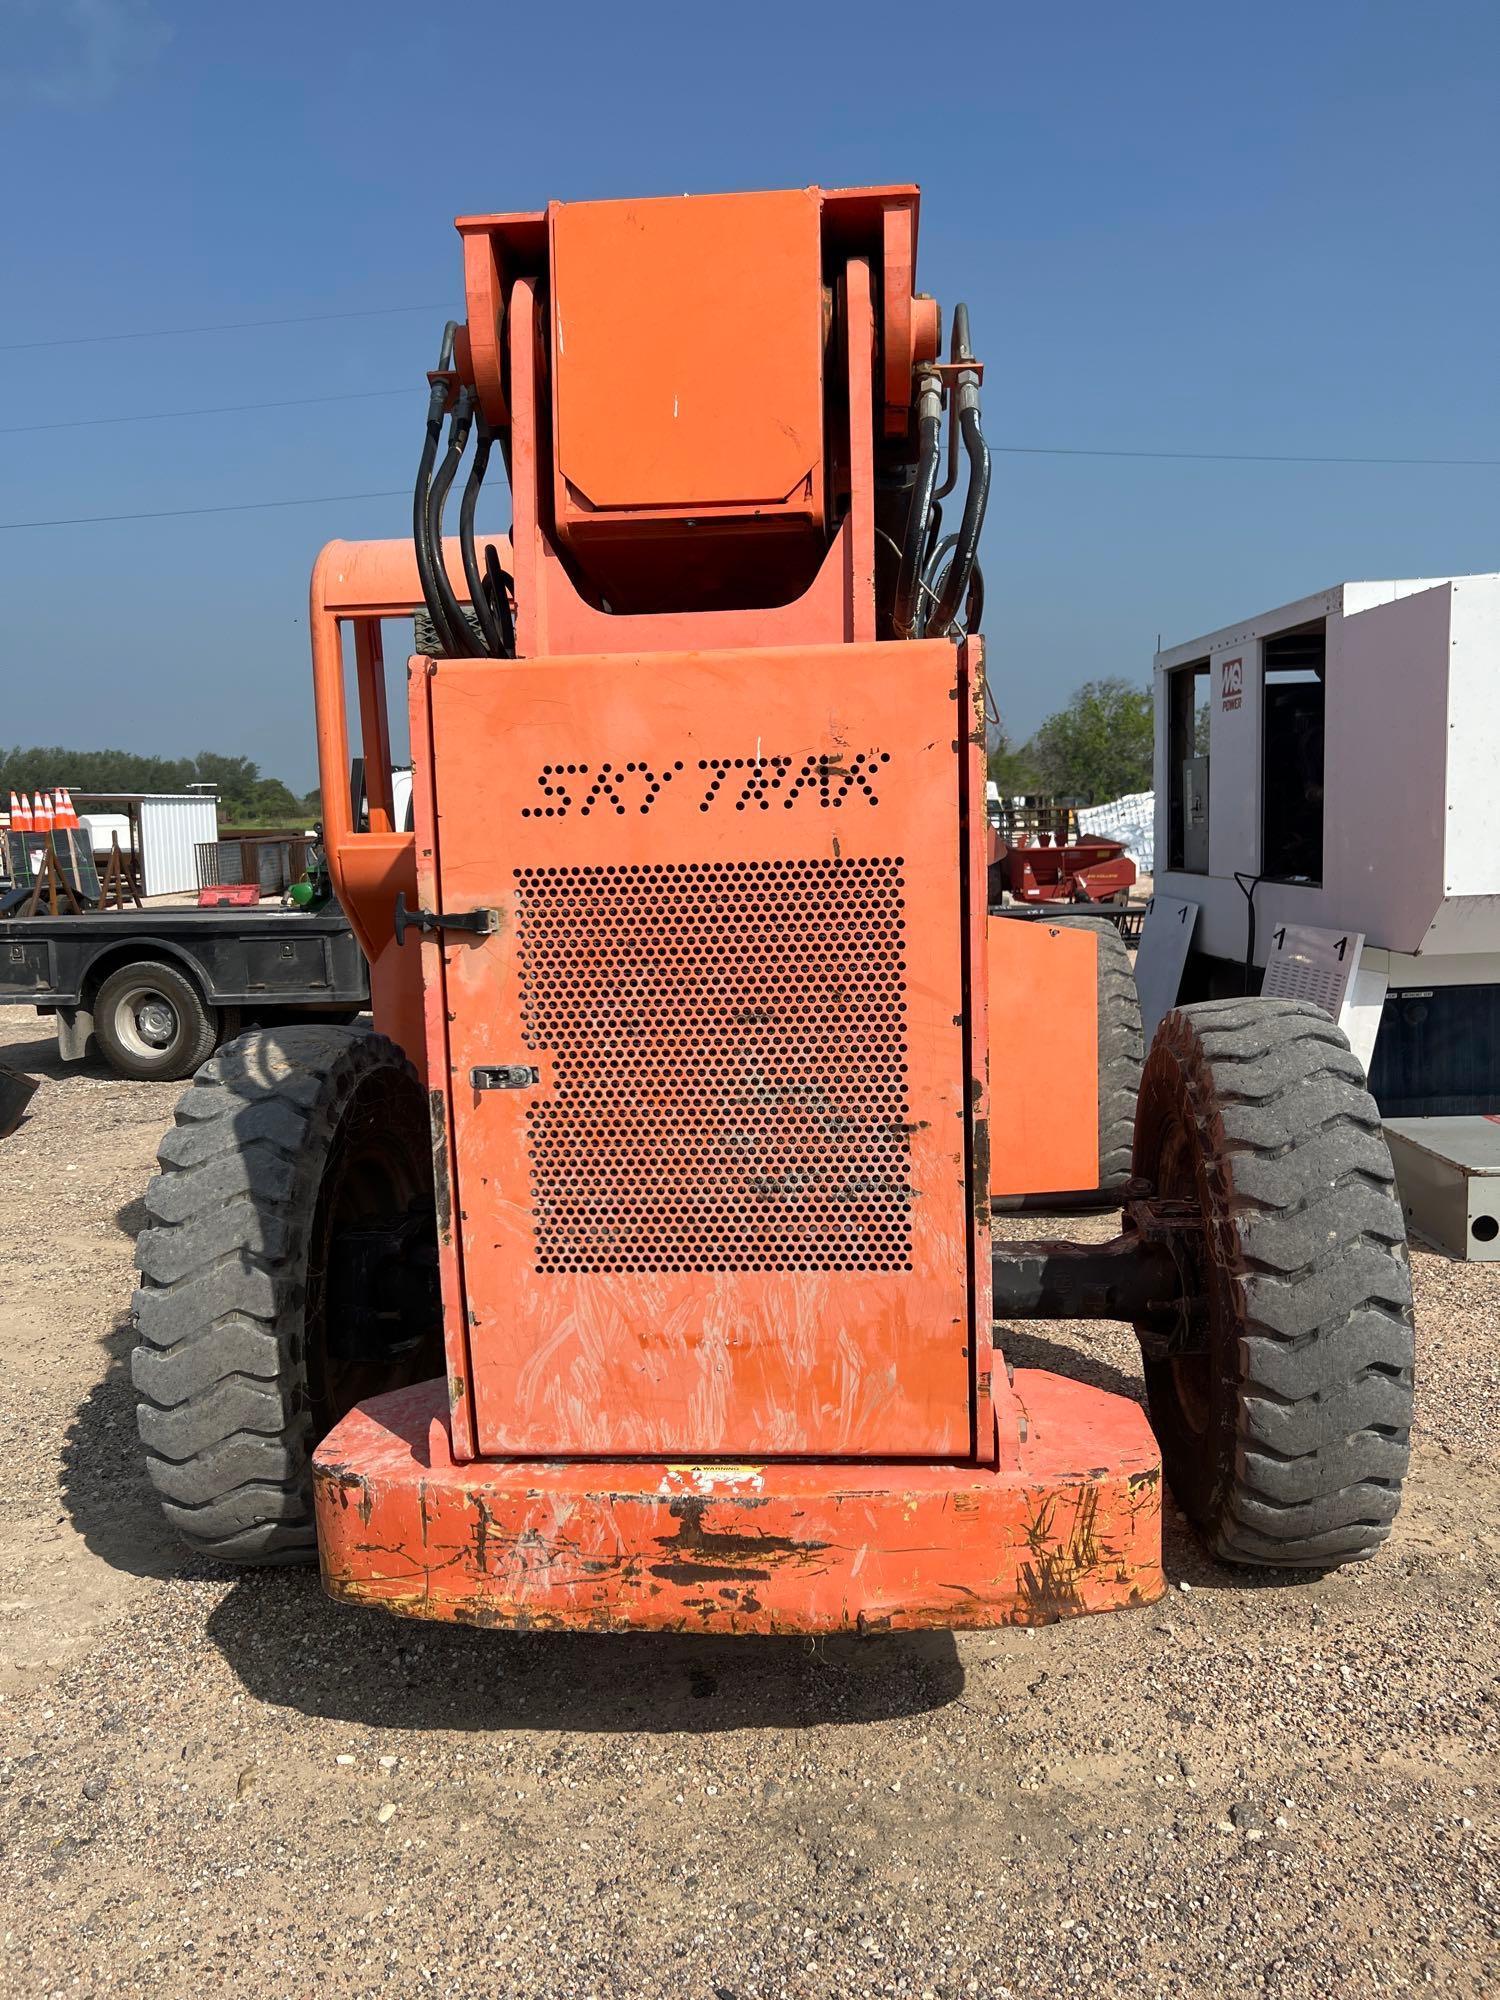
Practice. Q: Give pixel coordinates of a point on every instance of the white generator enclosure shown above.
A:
(1336, 763)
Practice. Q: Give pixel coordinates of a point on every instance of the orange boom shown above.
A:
(638, 1271)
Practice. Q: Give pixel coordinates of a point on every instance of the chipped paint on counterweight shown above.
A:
(850, 1546)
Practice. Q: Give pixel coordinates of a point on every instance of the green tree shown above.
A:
(246, 797)
(1010, 767)
(274, 804)
(1099, 747)
(235, 779)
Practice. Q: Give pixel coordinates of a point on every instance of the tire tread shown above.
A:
(1311, 1233)
(222, 1409)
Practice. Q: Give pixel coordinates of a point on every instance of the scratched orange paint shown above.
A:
(711, 1101)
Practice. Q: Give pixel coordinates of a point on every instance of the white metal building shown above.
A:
(164, 827)
(172, 823)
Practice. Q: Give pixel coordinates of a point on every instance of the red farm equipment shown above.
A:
(637, 1271)
(1075, 871)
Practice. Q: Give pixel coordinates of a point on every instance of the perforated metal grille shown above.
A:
(727, 1085)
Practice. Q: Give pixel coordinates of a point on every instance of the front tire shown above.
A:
(1285, 1418)
(289, 1270)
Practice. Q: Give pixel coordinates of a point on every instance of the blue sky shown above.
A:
(1179, 227)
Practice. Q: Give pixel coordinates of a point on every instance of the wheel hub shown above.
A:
(156, 1022)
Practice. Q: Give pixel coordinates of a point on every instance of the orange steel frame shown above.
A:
(813, 1432)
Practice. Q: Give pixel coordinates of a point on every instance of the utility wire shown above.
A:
(213, 410)
(1225, 457)
(219, 326)
(231, 507)
(1024, 450)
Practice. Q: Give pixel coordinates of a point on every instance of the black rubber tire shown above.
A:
(1285, 1440)
(232, 1400)
(126, 1047)
(1121, 1049)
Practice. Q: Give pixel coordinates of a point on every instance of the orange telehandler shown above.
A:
(637, 1271)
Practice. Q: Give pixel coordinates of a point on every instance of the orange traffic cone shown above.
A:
(21, 820)
(66, 815)
(15, 813)
(42, 820)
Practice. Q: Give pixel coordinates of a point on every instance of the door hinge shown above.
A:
(479, 923)
(504, 1076)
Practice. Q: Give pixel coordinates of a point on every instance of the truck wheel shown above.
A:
(1283, 1402)
(1121, 1048)
(151, 1022)
(288, 1271)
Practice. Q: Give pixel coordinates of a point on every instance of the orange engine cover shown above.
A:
(726, 1208)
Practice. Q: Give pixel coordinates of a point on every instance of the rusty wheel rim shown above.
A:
(374, 1176)
(1192, 1374)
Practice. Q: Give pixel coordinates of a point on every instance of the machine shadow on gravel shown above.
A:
(293, 1648)
(39, 1058)
(103, 1481)
(1024, 1348)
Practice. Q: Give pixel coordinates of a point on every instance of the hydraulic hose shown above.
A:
(959, 351)
(975, 501)
(933, 571)
(463, 644)
(484, 610)
(914, 545)
(437, 401)
(974, 609)
(498, 601)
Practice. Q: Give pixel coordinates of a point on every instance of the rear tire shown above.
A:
(288, 1271)
(1121, 1049)
(1285, 1429)
(151, 1022)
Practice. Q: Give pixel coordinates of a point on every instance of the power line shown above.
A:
(219, 326)
(212, 410)
(1015, 450)
(231, 507)
(1223, 457)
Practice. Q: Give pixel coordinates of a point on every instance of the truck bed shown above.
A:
(240, 958)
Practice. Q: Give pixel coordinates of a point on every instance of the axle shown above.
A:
(1151, 1275)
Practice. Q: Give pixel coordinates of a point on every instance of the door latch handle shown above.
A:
(504, 1076)
(479, 923)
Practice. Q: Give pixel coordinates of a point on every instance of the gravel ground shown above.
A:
(213, 1780)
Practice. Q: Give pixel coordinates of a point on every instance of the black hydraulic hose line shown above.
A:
(496, 584)
(914, 544)
(958, 351)
(963, 428)
(932, 574)
(484, 611)
(934, 534)
(974, 610)
(437, 402)
(464, 645)
(975, 502)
